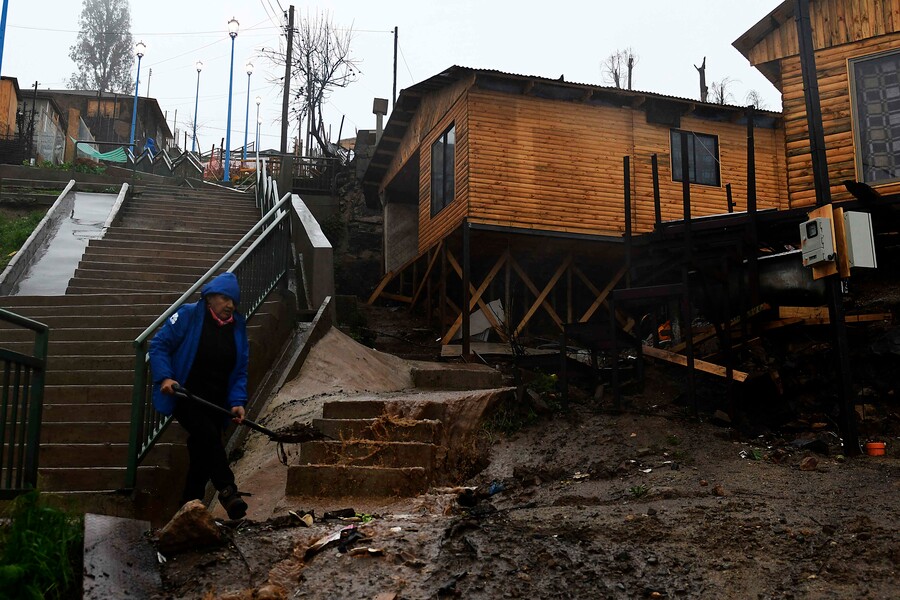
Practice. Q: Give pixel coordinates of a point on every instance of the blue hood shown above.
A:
(225, 284)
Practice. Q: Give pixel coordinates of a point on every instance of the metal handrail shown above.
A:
(19, 453)
(263, 264)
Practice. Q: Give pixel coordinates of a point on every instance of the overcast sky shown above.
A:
(547, 39)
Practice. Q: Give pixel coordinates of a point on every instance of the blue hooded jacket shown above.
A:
(173, 348)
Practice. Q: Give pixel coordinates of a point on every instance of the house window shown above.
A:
(703, 157)
(442, 170)
(876, 96)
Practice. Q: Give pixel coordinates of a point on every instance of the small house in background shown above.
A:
(528, 189)
(108, 117)
(43, 115)
(9, 105)
(857, 55)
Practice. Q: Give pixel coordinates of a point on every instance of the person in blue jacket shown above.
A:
(203, 347)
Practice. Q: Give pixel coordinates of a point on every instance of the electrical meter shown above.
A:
(816, 241)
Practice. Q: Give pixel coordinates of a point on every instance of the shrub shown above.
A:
(37, 551)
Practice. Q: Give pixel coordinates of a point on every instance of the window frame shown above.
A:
(856, 121)
(442, 195)
(673, 147)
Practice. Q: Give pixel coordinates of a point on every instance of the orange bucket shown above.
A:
(875, 448)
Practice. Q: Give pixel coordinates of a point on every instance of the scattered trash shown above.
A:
(349, 535)
(343, 513)
(579, 475)
(345, 536)
(875, 448)
(396, 529)
(496, 487)
(306, 519)
(815, 445)
(160, 558)
(648, 470)
(366, 552)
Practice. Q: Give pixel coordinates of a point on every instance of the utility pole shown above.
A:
(287, 81)
(33, 112)
(149, 75)
(394, 96)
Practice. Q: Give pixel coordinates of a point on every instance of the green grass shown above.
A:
(13, 233)
(37, 551)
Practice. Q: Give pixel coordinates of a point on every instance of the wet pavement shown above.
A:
(56, 261)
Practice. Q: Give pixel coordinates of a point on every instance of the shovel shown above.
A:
(184, 393)
(305, 434)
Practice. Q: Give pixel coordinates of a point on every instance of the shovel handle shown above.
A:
(183, 393)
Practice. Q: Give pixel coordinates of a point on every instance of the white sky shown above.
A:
(547, 39)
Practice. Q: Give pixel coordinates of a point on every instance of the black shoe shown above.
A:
(231, 501)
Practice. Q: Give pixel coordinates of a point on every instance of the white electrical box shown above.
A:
(860, 239)
(816, 242)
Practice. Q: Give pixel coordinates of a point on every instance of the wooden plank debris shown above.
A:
(699, 365)
(818, 315)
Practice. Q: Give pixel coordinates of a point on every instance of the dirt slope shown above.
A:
(587, 504)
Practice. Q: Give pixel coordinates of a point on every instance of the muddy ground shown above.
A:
(649, 502)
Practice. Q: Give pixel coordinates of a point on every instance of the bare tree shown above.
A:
(321, 63)
(103, 51)
(755, 99)
(720, 92)
(618, 64)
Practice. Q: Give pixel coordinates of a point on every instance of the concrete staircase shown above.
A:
(162, 241)
(369, 452)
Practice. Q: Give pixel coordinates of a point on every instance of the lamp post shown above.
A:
(199, 66)
(232, 32)
(249, 67)
(139, 50)
(256, 143)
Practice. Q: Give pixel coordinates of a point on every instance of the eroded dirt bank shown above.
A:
(585, 504)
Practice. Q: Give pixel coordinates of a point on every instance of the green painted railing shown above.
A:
(21, 403)
(259, 269)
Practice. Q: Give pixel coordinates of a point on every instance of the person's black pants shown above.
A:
(208, 460)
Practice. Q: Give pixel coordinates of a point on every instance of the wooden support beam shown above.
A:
(699, 365)
(533, 288)
(431, 262)
(542, 295)
(600, 296)
(380, 288)
(476, 299)
(397, 297)
(705, 335)
(818, 315)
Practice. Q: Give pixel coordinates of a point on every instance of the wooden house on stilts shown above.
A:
(539, 192)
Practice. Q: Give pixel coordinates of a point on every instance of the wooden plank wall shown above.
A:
(432, 229)
(834, 91)
(833, 22)
(553, 165)
(9, 102)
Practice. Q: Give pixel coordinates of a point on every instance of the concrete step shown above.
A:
(88, 320)
(90, 376)
(154, 251)
(95, 299)
(92, 479)
(38, 313)
(124, 261)
(129, 270)
(103, 454)
(82, 284)
(213, 244)
(112, 362)
(175, 230)
(369, 454)
(101, 411)
(85, 432)
(334, 481)
(372, 408)
(76, 348)
(76, 335)
(158, 275)
(426, 431)
(452, 376)
(87, 394)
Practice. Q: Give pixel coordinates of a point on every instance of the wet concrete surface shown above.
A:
(55, 262)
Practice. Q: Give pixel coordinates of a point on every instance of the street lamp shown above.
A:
(256, 143)
(199, 66)
(139, 50)
(249, 67)
(232, 31)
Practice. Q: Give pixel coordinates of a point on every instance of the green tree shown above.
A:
(103, 52)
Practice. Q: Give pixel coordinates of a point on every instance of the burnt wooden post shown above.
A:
(442, 291)
(686, 309)
(466, 277)
(728, 196)
(823, 197)
(751, 210)
(654, 165)
(626, 167)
